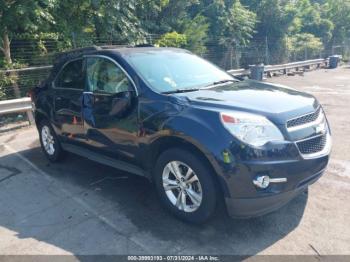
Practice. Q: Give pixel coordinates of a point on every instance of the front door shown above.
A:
(110, 109)
(68, 91)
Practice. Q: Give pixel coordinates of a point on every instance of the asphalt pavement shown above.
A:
(80, 207)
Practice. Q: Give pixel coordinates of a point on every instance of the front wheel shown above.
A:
(185, 185)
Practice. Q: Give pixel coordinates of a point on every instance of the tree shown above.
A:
(164, 16)
(338, 11)
(196, 31)
(275, 18)
(173, 39)
(304, 46)
(219, 28)
(238, 30)
(97, 21)
(4, 80)
(168, 16)
(115, 19)
(21, 16)
(150, 13)
(238, 27)
(310, 19)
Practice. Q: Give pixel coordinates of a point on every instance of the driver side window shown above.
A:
(104, 76)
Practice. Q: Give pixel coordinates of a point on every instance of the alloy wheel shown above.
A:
(47, 140)
(182, 186)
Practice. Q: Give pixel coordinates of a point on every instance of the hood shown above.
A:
(278, 103)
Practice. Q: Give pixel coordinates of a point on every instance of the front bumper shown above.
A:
(292, 164)
(245, 200)
(258, 206)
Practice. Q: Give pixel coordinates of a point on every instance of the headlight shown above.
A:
(252, 129)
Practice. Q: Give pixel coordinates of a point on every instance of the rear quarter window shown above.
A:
(71, 76)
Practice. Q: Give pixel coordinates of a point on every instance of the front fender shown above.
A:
(205, 131)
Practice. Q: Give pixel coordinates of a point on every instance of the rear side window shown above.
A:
(71, 76)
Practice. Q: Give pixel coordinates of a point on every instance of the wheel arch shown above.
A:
(39, 116)
(168, 142)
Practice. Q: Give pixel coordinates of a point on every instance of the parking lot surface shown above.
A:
(81, 207)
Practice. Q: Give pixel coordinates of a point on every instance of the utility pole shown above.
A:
(267, 60)
(305, 51)
(74, 40)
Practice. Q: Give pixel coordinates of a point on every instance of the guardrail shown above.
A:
(239, 72)
(26, 69)
(254, 70)
(296, 65)
(16, 106)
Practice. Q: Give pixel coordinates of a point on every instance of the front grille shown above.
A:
(312, 145)
(304, 119)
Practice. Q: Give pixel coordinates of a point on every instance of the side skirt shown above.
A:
(104, 159)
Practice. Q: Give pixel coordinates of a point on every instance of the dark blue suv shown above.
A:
(201, 135)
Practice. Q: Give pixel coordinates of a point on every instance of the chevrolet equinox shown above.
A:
(201, 135)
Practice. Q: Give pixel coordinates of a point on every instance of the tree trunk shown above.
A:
(7, 54)
(6, 47)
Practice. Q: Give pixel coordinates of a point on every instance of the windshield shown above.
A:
(171, 70)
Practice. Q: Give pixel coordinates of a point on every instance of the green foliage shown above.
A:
(304, 45)
(309, 19)
(271, 30)
(274, 17)
(83, 21)
(239, 25)
(5, 82)
(338, 11)
(231, 33)
(28, 16)
(196, 32)
(172, 39)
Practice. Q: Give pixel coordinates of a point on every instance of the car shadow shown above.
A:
(131, 204)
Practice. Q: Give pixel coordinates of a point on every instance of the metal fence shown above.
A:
(31, 52)
(25, 104)
(34, 54)
(35, 57)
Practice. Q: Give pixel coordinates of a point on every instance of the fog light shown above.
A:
(262, 181)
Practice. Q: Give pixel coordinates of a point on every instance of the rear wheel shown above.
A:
(49, 142)
(185, 185)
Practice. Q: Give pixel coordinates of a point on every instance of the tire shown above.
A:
(49, 142)
(198, 191)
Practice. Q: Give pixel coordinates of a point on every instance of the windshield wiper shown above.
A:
(184, 90)
(222, 82)
(180, 91)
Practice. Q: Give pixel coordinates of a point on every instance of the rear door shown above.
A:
(110, 109)
(68, 92)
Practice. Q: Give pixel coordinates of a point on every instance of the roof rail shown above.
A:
(124, 46)
(71, 54)
(144, 45)
(62, 56)
(112, 46)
